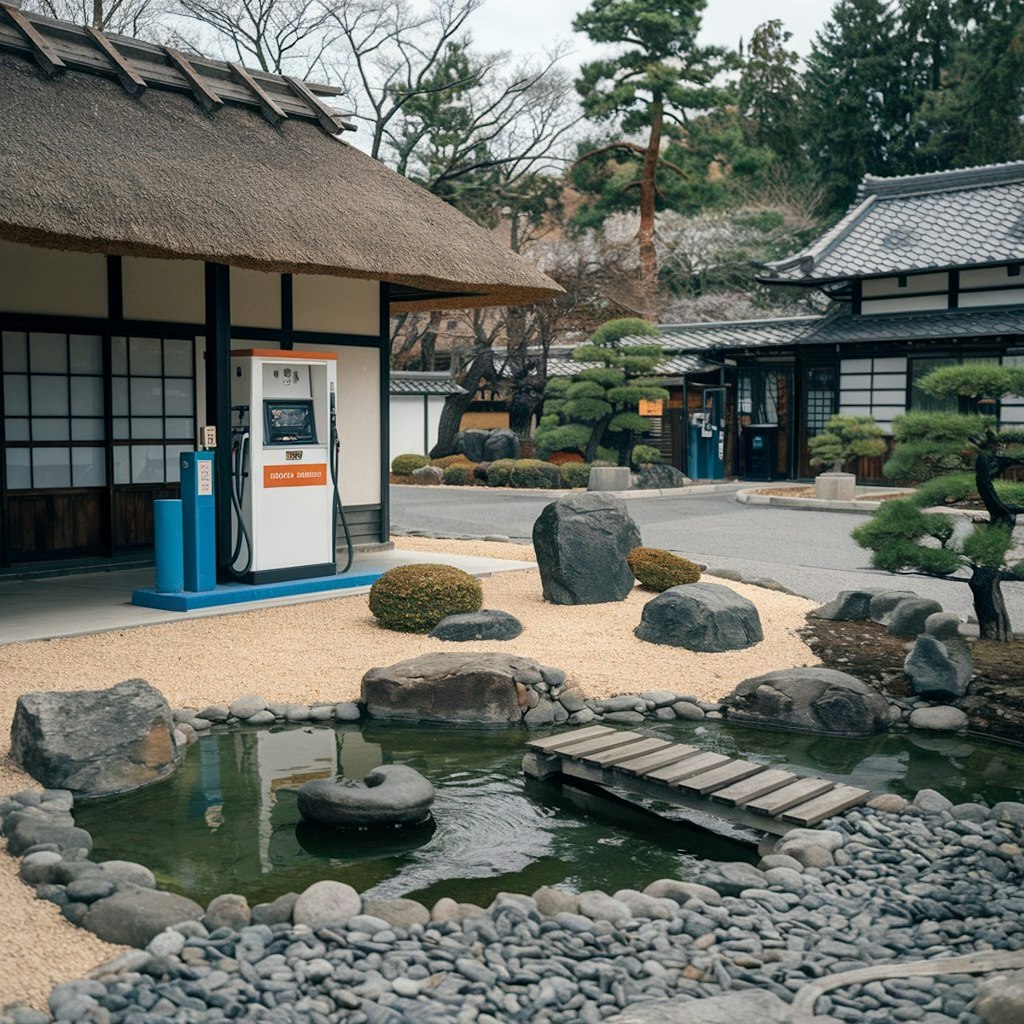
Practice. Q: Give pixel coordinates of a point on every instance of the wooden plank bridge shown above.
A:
(743, 793)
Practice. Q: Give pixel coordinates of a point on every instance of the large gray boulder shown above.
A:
(393, 794)
(656, 475)
(814, 700)
(910, 615)
(95, 742)
(501, 444)
(487, 624)
(581, 542)
(937, 669)
(134, 917)
(847, 606)
(884, 602)
(487, 689)
(471, 444)
(701, 617)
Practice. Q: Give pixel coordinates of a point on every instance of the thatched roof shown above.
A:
(86, 166)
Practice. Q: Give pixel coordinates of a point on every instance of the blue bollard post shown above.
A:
(170, 562)
(200, 521)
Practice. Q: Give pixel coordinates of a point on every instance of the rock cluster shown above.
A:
(487, 445)
(254, 710)
(875, 886)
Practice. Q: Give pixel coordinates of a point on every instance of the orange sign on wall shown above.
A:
(647, 407)
(295, 476)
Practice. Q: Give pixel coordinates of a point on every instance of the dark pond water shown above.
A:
(227, 821)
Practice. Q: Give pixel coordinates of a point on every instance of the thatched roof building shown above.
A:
(115, 146)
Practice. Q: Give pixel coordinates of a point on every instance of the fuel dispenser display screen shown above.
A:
(289, 422)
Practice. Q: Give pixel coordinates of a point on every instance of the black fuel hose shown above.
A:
(237, 493)
(339, 508)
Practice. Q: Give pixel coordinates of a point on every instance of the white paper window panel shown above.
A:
(15, 351)
(145, 356)
(855, 397)
(19, 469)
(907, 304)
(172, 458)
(855, 410)
(119, 396)
(147, 395)
(49, 396)
(178, 397)
(891, 364)
(887, 396)
(179, 426)
(45, 428)
(1004, 297)
(851, 381)
(86, 354)
(121, 429)
(144, 427)
(915, 283)
(986, 277)
(86, 396)
(16, 429)
(87, 429)
(890, 380)
(51, 467)
(122, 464)
(148, 465)
(15, 394)
(119, 355)
(88, 467)
(178, 357)
(855, 366)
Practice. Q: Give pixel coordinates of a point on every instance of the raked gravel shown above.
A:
(317, 652)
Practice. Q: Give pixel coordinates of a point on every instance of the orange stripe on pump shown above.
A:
(295, 476)
(283, 354)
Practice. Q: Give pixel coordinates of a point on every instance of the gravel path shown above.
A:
(281, 654)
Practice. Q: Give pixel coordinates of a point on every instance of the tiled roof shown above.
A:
(961, 218)
(411, 383)
(916, 326)
(732, 334)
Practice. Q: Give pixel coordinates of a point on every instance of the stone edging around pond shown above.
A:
(889, 881)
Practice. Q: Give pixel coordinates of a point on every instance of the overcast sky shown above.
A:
(526, 26)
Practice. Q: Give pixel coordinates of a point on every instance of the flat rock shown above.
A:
(96, 742)
(581, 542)
(813, 700)
(910, 615)
(134, 917)
(705, 617)
(393, 794)
(942, 719)
(399, 913)
(469, 687)
(486, 624)
(326, 904)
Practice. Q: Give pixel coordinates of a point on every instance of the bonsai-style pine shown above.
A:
(904, 537)
(599, 404)
(844, 439)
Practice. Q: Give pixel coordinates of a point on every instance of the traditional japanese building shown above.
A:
(158, 210)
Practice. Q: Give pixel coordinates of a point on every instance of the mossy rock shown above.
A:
(415, 598)
(403, 465)
(660, 570)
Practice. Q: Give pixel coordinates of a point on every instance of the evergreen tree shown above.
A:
(659, 74)
(771, 91)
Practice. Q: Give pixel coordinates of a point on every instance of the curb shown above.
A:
(751, 497)
(654, 492)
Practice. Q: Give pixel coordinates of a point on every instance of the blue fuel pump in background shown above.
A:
(200, 521)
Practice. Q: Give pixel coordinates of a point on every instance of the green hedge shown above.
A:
(575, 474)
(459, 474)
(403, 465)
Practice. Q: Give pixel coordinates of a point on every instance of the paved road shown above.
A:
(809, 552)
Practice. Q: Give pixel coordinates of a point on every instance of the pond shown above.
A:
(227, 821)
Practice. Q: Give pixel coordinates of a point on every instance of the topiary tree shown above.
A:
(846, 438)
(599, 404)
(415, 598)
(904, 537)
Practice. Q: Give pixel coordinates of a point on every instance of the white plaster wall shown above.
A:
(873, 387)
(339, 305)
(1003, 297)
(878, 287)
(406, 426)
(905, 304)
(50, 282)
(436, 404)
(987, 277)
(255, 299)
(359, 414)
(171, 291)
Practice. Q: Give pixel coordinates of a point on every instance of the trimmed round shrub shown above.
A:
(660, 570)
(403, 465)
(534, 473)
(481, 470)
(459, 474)
(415, 598)
(561, 458)
(574, 474)
(645, 455)
(498, 472)
(451, 460)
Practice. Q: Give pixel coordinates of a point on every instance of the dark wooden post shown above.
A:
(218, 399)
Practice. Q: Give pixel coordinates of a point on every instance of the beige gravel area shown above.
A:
(318, 652)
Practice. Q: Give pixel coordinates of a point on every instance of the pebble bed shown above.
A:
(886, 883)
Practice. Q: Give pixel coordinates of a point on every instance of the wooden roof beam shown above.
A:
(130, 79)
(202, 92)
(329, 120)
(270, 110)
(44, 54)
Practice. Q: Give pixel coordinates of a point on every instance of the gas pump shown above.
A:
(707, 437)
(284, 472)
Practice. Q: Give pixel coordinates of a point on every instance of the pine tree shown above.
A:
(771, 91)
(659, 74)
